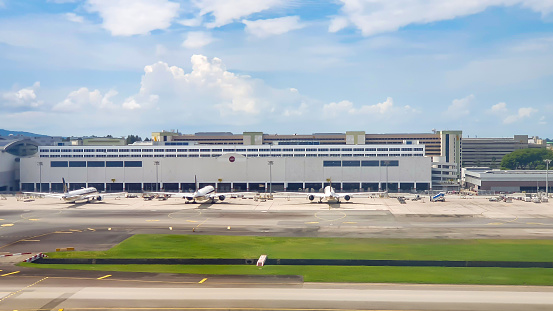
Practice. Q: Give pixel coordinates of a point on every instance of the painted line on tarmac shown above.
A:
(103, 277)
(152, 220)
(349, 222)
(326, 219)
(30, 241)
(6, 225)
(17, 292)
(312, 222)
(15, 272)
(203, 280)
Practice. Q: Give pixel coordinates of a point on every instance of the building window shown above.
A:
(96, 164)
(382, 149)
(332, 163)
(100, 150)
(77, 163)
(351, 163)
(58, 164)
(323, 149)
(346, 149)
(369, 163)
(133, 163)
(114, 163)
(389, 163)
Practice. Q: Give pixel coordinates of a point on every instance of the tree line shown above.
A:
(527, 159)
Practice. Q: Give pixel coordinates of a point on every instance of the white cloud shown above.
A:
(197, 39)
(336, 109)
(192, 22)
(72, 17)
(23, 98)
(382, 109)
(209, 92)
(499, 108)
(82, 98)
(225, 11)
(380, 16)
(133, 17)
(459, 107)
(523, 113)
(270, 27)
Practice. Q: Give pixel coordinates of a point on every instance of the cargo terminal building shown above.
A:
(283, 167)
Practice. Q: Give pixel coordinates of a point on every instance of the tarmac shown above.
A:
(44, 224)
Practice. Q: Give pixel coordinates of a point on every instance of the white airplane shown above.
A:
(329, 194)
(89, 194)
(206, 193)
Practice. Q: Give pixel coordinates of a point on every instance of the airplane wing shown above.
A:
(358, 194)
(317, 195)
(45, 194)
(231, 194)
(169, 194)
(104, 195)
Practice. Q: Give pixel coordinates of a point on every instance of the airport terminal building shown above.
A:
(173, 166)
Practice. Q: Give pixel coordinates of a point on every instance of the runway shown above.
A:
(43, 225)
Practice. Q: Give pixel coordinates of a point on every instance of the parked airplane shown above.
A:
(89, 194)
(330, 194)
(206, 193)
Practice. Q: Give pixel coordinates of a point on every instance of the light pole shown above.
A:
(156, 163)
(387, 163)
(547, 161)
(40, 175)
(270, 163)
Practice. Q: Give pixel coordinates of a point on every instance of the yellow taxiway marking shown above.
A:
(33, 219)
(203, 280)
(63, 232)
(30, 241)
(349, 222)
(496, 223)
(10, 273)
(75, 230)
(1, 219)
(17, 292)
(91, 229)
(105, 276)
(312, 222)
(152, 220)
(7, 225)
(191, 220)
(323, 217)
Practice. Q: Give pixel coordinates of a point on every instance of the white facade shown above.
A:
(135, 168)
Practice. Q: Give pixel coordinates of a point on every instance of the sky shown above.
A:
(121, 67)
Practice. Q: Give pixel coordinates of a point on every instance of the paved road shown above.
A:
(101, 291)
(46, 224)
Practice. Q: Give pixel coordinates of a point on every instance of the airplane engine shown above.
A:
(311, 197)
(347, 197)
(221, 198)
(189, 198)
(99, 198)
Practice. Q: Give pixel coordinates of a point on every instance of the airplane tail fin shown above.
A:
(65, 190)
(196, 183)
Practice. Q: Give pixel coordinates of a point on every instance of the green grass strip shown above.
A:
(423, 275)
(206, 246)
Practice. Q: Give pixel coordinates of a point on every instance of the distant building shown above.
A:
(40, 140)
(99, 141)
(506, 180)
(11, 153)
(488, 152)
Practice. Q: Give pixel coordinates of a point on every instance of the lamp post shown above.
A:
(156, 163)
(387, 163)
(270, 163)
(547, 161)
(40, 175)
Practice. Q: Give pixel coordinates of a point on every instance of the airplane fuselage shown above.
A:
(80, 194)
(203, 194)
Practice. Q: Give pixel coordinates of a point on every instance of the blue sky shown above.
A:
(120, 67)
